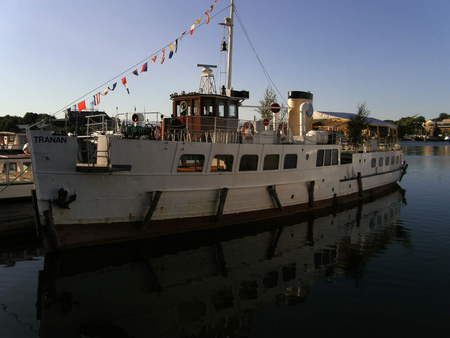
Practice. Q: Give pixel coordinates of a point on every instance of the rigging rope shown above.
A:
(266, 73)
(17, 177)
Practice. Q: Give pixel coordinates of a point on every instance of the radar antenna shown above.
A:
(207, 81)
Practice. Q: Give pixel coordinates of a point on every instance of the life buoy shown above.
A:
(248, 130)
(157, 132)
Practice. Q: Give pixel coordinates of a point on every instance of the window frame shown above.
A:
(277, 162)
(188, 171)
(248, 170)
(222, 171)
(284, 161)
(320, 154)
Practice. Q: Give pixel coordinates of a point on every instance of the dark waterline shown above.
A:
(378, 270)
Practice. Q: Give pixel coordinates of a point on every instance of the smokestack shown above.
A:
(299, 124)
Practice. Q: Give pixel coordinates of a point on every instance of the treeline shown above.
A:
(10, 123)
(413, 125)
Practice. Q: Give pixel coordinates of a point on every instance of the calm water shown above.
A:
(381, 269)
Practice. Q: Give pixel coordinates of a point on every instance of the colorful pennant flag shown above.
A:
(81, 105)
(171, 51)
(124, 82)
(144, 67)
(154, 58)
(135, 72)
(191, 31)
(113, 86)
(96, 99)
(183, 34)
(208, 18)
(163, 56)
(104, 92)
(198, 21)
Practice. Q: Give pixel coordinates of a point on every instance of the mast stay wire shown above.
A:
(130, 68)
(258, 58)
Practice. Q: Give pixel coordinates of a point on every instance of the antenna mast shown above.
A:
(229, 22)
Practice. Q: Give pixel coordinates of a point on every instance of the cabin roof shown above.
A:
(323, 115)
(196, 94)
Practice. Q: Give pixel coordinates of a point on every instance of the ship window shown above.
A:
(221, 110)
(334, 157)
(191, 163)
(26, 172)
(327, 157)
(208, 110)
(271, 162)
(222, 163)
(232, 110)
(374, 162)
(289, 272)
(319, 160)
(387, 160)
(398, 159)
(380, 162)
(392, 159)
(270, 280)
(290, 161)
(12, 171)
(248, 163)
(3, 173)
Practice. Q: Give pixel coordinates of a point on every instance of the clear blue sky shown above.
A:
(392, 54)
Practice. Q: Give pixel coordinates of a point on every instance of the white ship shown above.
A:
(202, 167)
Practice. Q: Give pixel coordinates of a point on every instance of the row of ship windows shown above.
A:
(224, 163)
(385, 161)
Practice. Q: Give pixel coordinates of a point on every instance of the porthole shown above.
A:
(292, 197)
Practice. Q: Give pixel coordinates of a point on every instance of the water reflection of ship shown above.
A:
(154, 288)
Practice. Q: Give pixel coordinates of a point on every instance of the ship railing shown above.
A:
(370, 145)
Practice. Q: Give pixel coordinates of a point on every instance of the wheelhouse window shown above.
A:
(374, 162)
(248, 163)
(335, 157)
(221, 110)
(222, 163)
(290, 161)
(387, 160)
(319, 160)
(232, 110)
(271, 162)
(380, 162)
(27, 175)
(191, 163)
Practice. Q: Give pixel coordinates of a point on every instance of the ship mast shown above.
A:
(229, 22)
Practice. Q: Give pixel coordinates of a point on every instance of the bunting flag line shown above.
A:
(124, 82)
(97, 99)
(163, 56)
(172, 49)
(113, 86)
(81, 105)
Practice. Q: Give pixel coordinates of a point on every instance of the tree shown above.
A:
(358, 124)
(269, 97)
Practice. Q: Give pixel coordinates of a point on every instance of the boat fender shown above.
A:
(64, 200)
